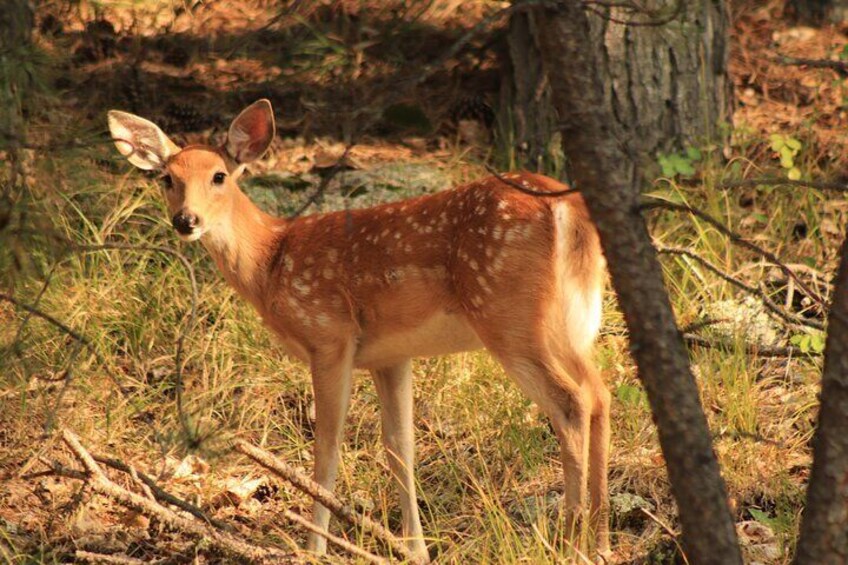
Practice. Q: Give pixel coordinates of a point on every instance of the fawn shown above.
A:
(481, 265)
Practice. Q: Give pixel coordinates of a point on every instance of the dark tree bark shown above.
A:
(16, 23)
(526, 107)
(819, 11)
(607, 178)
(824, 529)
(667, 85)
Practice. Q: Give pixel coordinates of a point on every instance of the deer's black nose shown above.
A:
(184, 222)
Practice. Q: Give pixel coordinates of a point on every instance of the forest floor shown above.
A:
(373, 73)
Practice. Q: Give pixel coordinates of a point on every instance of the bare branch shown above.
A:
(655, 203)
(841, 67)
(526, 190)
(777, 181)
(324, 496)
(791, 318)
(230, 543)
(341, 542)
(162, 495)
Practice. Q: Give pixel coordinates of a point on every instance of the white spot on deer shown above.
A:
(490, 252)
(328, 273)
(503, 205)
(289, 262)
(301, 287)
(482, 231)
(497, 232)
(506, 216)
(323, 320)
(397, 235)
(384, 233)
(473, 264)
(408, 248)
(309, 261)
(476, 300)
(332, 255)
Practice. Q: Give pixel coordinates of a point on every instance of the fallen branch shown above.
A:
(841, 67)
(749, 349)
(161, 495)
(324, 496)
(791, 318)
(229, 543)
(115, 558)
(777, 181)
(655, 203)
(342, 543)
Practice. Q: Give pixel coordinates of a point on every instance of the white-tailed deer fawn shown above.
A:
(481, 265)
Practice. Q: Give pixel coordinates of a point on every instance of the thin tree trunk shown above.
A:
(606, 176)
(824, 529)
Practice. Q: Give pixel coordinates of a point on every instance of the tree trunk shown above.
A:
(606, 176)
(16, 23)
(526, 111)
(824, 529)
(667, 85)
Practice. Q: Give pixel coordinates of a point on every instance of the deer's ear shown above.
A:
(140, 141)
(252, 132)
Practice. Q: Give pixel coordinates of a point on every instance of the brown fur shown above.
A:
(482, 265)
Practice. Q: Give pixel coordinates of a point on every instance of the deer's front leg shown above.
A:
(394, 387)
(331, 377)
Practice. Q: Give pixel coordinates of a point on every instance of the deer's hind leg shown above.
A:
(563, 381)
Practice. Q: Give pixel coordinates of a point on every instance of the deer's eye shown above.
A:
(218, 178)
(169, 182)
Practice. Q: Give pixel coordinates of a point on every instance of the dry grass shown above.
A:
(488, 465)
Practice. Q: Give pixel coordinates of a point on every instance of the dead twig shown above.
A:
(229, 543)
(325, 181)
(749, 349)
(162, 495)
(178, 355)
(323, 496)
(836, 186)
(114, 558)
(791, 318)
(521, 188)
(342, 543)
(674, 535)
(841, 67)
(655, 203)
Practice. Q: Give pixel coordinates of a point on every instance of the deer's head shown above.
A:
(199, 180)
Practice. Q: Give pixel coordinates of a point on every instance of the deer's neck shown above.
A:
(239, 244)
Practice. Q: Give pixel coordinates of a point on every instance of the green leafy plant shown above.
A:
(809, 342)
(787, 149)
(682, 164)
